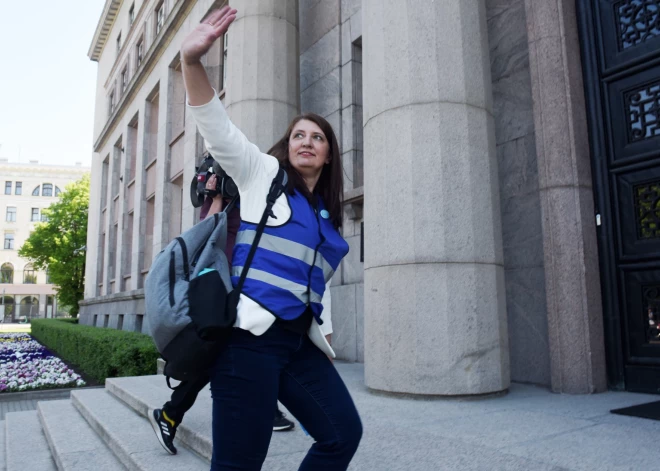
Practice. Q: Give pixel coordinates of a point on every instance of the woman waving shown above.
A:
(280, 344)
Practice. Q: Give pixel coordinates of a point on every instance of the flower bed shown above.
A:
(25, 365)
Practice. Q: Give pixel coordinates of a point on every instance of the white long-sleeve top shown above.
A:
(253, 172)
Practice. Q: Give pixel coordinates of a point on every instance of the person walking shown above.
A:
(166, 419)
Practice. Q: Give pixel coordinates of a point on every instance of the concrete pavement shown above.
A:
(527, 429)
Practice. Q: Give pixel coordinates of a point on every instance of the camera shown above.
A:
(225, 186)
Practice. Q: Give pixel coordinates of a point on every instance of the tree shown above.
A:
(57, 245)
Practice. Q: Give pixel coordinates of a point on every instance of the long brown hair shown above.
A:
(330, 185)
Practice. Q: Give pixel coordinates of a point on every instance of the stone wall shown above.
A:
(330, 85)
(575, 317)
(123, 311)
(520, 203)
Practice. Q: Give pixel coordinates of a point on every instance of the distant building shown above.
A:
(27, 189)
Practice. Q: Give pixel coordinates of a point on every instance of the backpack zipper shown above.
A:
(172, 277)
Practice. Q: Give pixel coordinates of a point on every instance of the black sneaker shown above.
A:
(281, 423)
(164, 429)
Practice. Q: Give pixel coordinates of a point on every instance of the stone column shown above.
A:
(93, 225)
(163, 198)
(42, 305)
(139, 203)
(575, 318)
(263, 82)
(435, 314)
(108, 221)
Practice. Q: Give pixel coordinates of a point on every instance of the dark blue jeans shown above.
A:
(246, 382)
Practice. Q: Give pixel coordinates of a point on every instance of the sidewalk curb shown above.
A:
(42, 395)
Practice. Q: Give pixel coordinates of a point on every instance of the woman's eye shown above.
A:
(318, 137)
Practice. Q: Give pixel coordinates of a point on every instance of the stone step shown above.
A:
(26, 445)
(130, 436)
(3, 463)
(74, 445)
(142, 393)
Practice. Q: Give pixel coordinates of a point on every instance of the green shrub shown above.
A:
(70, 320)
(99, 353)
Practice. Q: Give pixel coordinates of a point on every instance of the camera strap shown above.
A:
(227, 209)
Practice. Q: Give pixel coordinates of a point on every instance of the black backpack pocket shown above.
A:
(189, 356)
(207, 301)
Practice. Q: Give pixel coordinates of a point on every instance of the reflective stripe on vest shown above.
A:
(288, 247)
(298, 290)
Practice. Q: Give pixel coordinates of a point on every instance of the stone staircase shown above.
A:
(107, 429)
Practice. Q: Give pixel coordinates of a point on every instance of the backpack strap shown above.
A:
(277, 187)
(198, 252)
(169, 385)
(231, 205)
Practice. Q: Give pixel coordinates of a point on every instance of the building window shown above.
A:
(47, 190)
(29, 307)
(7, 273)
(19, 188)
(36, 191)
(35, 214)
(139, 52)
(124, 79)
(160, 17)
(224, 60)
(7, 188)
(48, 280)
(139, 319)
(362, 242)
(9, 241)
(131, 15)
(11, 214)
(57, 191)
(44, 218)
(29, 276)
(111, 102)
(118, 44)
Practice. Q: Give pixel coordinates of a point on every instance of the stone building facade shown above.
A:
(482, 247)
(27, 189)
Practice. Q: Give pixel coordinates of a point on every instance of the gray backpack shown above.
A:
(189, 300)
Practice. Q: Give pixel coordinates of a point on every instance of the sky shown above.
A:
(47, 82)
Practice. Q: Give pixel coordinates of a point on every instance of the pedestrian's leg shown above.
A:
(244, 386)
(315, 394)
(166, 420)
(183, 398)
(281, 423)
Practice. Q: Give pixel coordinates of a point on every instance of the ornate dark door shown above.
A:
(621, 59)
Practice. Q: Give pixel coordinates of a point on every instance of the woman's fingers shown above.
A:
(200, 40)
(210, 184)
(215, 15)
(223, 25)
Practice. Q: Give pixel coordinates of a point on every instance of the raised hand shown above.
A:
(200, 39)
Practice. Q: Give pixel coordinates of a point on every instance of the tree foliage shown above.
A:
(57, 245)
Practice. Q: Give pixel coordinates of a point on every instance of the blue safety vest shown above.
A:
(293, 262)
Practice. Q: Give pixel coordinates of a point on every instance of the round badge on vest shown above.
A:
(325, 214)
